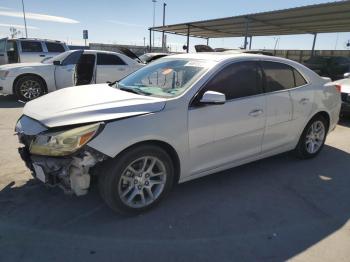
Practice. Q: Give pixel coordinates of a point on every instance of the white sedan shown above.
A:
(31, 80)
(178, 118)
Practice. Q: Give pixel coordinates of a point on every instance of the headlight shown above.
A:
(63, 143)
(4, 73)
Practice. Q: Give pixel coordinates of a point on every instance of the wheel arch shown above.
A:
(166, 147)
(28, 74)
(325, 115)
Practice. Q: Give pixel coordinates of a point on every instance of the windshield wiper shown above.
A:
(130, 90)
(111, 83)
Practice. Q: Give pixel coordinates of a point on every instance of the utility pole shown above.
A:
(163, 35)
(25, 22)
(154, 16)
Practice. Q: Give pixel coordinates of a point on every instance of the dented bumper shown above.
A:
(71, 173)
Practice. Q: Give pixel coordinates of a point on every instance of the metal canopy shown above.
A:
(312, 19)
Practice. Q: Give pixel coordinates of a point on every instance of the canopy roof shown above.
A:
(320, 18)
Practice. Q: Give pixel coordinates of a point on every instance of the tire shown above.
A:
(128, 182)
(310, 144)
(29, 87)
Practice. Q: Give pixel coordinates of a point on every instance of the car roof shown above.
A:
(37, 39)
(221, 56)
(100, 51)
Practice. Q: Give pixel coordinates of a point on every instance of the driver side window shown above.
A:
(237, 80)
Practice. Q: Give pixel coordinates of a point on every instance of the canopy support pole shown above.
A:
(250, 42)
(313, 45)
(188, 38)
(208, 41)
(150, 40)
(246, 32)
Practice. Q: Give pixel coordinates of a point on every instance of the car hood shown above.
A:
(89, 103)
(22, 65)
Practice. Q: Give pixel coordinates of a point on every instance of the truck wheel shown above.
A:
(29, 87)
(137, 180)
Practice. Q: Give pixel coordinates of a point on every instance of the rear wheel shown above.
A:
(29, 87)
(313, 137)
(137, 180)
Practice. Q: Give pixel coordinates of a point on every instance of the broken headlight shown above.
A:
(64, 142)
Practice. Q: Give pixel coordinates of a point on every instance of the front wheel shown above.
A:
(313, 138)
(137, 180)
(29, 87)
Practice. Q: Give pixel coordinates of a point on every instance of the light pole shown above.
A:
(154, 17)
(163, 35)
(24, 16)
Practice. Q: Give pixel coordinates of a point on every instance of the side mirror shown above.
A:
(347, 75)
(57, 63)
(213, 98)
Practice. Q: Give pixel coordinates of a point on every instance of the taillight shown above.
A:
(338, 87)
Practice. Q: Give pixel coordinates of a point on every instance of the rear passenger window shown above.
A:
(54, 47)
(106, 59)
(237, 80)
(299, 79)
(278, 76)
(31, 46)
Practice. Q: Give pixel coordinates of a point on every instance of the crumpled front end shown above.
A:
(72, 172)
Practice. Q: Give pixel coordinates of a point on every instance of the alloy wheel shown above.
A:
(30, 89)
(315, 137)
(142, 182)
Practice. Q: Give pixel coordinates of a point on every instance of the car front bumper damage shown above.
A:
(71, 173)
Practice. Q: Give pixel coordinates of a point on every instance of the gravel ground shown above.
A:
(280, 208)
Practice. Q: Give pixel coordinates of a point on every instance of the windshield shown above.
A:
(59, 57)
(164, 78)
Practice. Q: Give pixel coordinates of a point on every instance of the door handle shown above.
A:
(256, 112)
(42, 55)
(304, 101)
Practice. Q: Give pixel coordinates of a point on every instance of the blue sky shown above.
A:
(126, 21)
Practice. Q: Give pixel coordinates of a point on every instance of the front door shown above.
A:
(3, 51)
(232, 132)
(66, 71)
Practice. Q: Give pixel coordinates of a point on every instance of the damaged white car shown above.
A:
(176, 119)
(72, 68)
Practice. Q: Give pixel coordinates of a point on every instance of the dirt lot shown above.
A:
(272, 210)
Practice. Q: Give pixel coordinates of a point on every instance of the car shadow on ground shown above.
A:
(8, 101)
(269, 210)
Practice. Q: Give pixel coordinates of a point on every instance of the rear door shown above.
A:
(223, 134)
(278, 81)
(31, 51)
(110, 67)
(3, 51)
(65, 73)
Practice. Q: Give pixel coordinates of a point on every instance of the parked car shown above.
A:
(24, 50)
(178, 118)
(79, 67)
(150, 57)
(330, 66)
(344, 87)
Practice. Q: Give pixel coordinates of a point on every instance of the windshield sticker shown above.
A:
(167, 71)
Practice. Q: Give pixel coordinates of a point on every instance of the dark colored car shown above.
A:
(333, 67)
